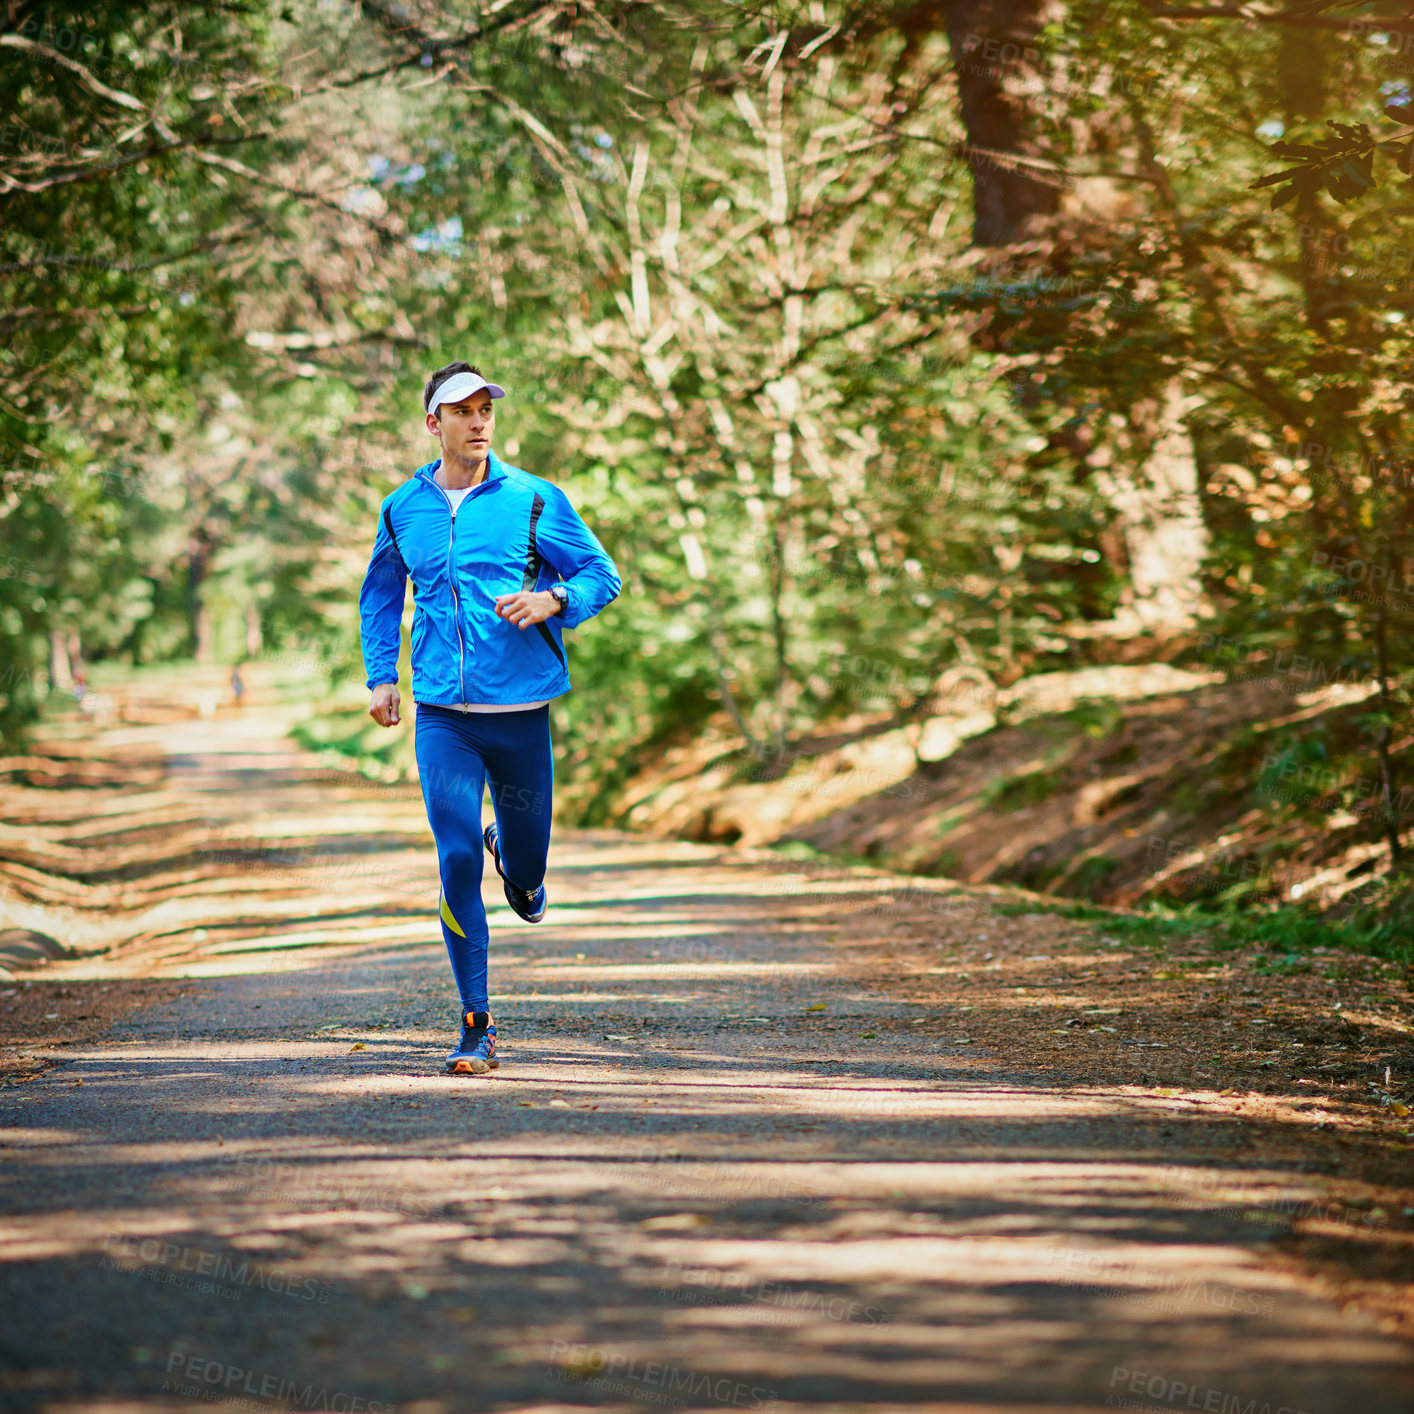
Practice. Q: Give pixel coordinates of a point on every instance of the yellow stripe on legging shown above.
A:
(449, 920)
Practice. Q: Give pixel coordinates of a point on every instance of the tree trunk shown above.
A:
(1155, 494)
(198, 627)
(994, 50)
(254, 639)
(61, 675)
(1382, 745)
(996, 63)
(1301, 68)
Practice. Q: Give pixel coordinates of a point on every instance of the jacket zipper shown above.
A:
(456, 598)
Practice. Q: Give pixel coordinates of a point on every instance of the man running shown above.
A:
(485, 544)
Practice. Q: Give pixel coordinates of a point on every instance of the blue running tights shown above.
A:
(457, 754)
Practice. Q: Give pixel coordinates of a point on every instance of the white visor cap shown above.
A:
(463, 385)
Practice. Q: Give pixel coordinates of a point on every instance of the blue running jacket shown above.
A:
(512, 532)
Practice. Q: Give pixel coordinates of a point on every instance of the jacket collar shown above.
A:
(495, 469)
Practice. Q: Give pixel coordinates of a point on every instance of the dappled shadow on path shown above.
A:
(605, 1221)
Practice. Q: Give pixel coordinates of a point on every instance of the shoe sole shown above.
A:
(471, 1067)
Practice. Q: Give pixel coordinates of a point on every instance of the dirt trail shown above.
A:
(735, 1157)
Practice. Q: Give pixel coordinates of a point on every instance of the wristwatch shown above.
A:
(562, 596)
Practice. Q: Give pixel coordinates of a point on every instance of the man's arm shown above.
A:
(380, 613)
(574, 550)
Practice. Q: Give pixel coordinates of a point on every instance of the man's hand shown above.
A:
(527, 607)
(384, 707)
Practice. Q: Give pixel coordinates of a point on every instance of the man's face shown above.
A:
(464, 428)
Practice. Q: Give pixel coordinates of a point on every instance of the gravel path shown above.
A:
(719, 1168)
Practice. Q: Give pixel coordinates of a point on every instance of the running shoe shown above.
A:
(531, 907)
(476, 1051)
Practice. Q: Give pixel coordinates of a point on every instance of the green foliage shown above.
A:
(1099, 718)
(1090, 876)
(1155, 926)
(1341, 163)
(348, 740)
(1382, 928)
(112, 229)
(1282, 965)
(1382, 925)
(1025, 788)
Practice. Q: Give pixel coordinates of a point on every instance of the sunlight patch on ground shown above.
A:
(394, 933)
(539, 998)
(514, 1251)
(646, 931)
(392, 820)
(18, 1138)
(1044, 1254)
(259, 956)
(692, 967)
